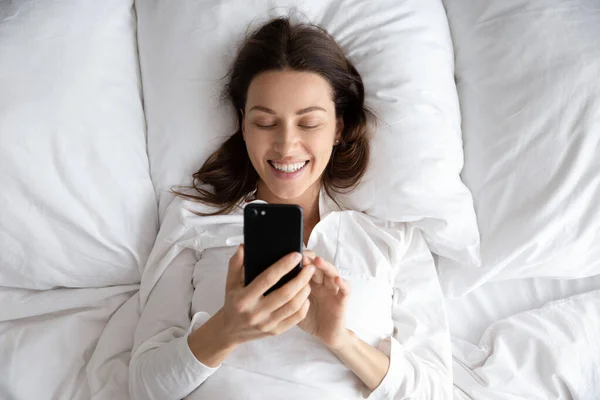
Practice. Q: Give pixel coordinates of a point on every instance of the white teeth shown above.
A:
(288, 167)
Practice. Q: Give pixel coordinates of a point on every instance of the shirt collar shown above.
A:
(326, 204)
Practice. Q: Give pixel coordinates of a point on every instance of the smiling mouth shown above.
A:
(288, 168)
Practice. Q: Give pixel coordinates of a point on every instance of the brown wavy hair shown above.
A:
(227, 176)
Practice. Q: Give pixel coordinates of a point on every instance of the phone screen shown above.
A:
(271, 231)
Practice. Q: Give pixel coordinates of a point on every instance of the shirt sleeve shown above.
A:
(419, 350)
(162, 364)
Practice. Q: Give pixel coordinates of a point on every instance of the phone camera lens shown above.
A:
(254, 212)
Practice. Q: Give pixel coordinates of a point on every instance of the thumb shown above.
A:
(235, 272)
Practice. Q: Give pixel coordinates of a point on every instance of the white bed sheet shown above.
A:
(48, 337)
(469, 316)
(527, 339)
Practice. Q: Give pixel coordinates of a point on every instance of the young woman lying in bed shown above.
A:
(365, 315)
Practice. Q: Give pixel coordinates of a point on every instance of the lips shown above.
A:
(279, 170)
(288, 167)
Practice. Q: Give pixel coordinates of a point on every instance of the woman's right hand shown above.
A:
(248, 315)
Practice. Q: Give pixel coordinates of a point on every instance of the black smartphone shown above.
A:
(271, 231)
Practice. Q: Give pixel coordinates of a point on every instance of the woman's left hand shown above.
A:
(326, 318)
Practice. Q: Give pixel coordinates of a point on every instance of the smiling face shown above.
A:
(290, 129)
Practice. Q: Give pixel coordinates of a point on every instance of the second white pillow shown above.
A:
(528, 76)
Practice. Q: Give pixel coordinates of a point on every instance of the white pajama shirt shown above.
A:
(395, 305)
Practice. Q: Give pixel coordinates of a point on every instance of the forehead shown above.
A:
(286, 90)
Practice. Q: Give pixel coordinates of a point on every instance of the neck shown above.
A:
(309, 201)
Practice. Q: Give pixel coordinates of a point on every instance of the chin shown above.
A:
(289, 193)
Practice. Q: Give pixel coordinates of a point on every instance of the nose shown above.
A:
(286, 138)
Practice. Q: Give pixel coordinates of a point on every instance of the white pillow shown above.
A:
(404, 53)
(77, 205)
(528, 76)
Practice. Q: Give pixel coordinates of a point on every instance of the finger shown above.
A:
(343, 285)
(292, 320)
(331, 285)
(309, 253)
(318, 277)
(287, 292)
(273, 274)
(290, 308)
(328, 268)
(306, 261)
(235, 272)
(344, 293)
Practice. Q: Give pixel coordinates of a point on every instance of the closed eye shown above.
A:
(270, 126)
(265, 126)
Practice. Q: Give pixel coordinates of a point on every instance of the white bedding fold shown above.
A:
(469, 316)
(47, 338)
(548, 353)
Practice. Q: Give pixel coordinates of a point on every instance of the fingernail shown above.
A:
(311, 269)
(297, 257)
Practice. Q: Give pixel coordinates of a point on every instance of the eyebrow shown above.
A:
(299, 112)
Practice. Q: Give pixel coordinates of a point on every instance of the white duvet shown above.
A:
(76, 344)
(548, 353)
(47, 339)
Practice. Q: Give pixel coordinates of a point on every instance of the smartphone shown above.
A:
(271, 231)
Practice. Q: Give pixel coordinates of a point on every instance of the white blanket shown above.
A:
(48, 337)
(548, 353)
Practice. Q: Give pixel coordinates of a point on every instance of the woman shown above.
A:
(350, 323)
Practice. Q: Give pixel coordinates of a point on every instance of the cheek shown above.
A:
(322, 148)
(253, 156)
(253, 142)
(256, 146)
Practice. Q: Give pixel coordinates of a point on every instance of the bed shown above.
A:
(523, 324)
(491, 122)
